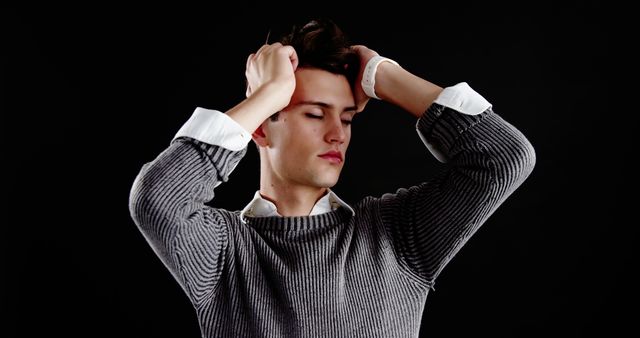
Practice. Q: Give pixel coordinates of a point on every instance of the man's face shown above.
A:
(308, 142)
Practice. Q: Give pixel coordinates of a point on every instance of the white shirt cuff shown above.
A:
(463, 99)
(216, 128)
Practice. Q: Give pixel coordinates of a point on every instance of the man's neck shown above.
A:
(292, 200)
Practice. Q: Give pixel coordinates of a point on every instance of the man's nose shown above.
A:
(335, 131)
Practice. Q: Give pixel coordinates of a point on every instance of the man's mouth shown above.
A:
(332, 156)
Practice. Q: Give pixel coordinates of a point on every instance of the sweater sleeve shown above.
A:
(167, 203)
(486, 160)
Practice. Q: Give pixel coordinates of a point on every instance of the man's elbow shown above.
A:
(518, 163)
(143, 201)
(138, 202)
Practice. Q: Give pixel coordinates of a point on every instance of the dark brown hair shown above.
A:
(321, 44)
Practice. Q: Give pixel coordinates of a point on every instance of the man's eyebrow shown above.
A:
(325, 105)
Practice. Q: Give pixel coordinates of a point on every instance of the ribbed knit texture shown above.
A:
(334, 274)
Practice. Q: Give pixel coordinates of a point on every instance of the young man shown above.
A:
(297, 260)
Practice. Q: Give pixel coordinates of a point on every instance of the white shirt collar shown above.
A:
(261, 207)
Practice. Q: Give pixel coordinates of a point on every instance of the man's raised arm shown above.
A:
(167, 199)
(486, 160)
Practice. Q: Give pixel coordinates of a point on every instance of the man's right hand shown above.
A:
(270, 85)
(273, 66)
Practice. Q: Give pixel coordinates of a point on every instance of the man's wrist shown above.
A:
(369, 74)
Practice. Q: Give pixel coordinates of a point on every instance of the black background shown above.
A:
(90, 95)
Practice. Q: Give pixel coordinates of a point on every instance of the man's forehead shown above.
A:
(320, 86)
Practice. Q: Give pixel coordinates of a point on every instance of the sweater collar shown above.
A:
(298, 224)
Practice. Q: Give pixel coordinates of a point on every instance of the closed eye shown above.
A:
(320, 117)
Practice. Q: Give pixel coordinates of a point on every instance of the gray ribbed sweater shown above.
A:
(334, 274)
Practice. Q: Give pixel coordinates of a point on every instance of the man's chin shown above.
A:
(326, 183)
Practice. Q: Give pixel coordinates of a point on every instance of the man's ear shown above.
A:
(259, 137)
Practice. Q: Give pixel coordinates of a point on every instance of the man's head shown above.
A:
(306, 143)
